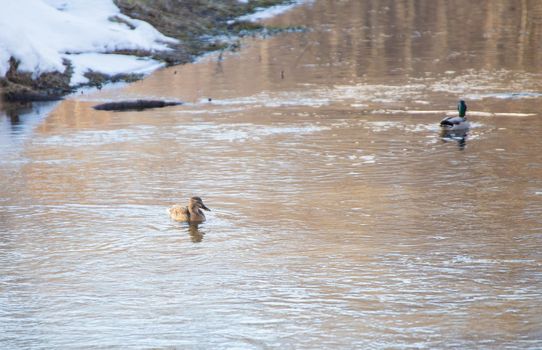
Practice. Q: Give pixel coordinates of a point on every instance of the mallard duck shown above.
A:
(192, 213)
(459, 122)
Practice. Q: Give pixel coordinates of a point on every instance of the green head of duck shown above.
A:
(462, 108)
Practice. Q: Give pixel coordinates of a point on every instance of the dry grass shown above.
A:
(189, 20)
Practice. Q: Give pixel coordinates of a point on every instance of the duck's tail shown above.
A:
(446, 122)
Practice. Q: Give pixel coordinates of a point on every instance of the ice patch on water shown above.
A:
(504, 95)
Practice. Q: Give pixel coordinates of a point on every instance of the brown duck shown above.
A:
(192, 213)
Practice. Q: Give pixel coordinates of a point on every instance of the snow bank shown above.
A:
(41, 33)
(109, 64)
(266, 13)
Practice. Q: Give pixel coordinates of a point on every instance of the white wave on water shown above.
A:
(381, 126)
(384, 125)
(211, 110)
(466, 259)
(92, 138)
(245, 132)
(513, 114)
(221, 132)
(364, 93)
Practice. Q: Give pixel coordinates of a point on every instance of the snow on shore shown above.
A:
(266, 13)
(41, 33)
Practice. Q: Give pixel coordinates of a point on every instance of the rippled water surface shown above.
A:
(341, 216)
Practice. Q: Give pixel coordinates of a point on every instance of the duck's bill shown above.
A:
(204, 207)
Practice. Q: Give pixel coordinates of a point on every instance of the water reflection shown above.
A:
(196, 235)
(459, 136)
(13, 112)
(22, 117)
(400, 37)
(17, 123)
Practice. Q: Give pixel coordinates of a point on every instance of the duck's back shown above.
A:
(179, 213)
(454, 123)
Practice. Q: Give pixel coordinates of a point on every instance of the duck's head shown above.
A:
(462, 108)
(196, 202)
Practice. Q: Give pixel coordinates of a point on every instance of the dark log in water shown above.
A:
(137, 105)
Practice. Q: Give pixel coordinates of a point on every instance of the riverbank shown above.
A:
(132, 38)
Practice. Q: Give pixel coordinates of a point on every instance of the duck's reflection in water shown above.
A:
(196, 235)
(459, 136)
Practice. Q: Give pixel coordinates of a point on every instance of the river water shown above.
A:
(341, 216)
